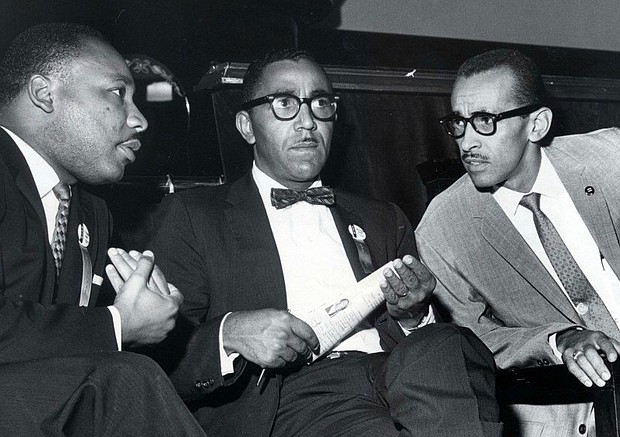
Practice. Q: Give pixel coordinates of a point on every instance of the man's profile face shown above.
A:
(507, 157)
(95, 130)
(292, 152)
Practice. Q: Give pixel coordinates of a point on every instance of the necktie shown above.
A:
(281, 197)
(587, 301)
(63, 194)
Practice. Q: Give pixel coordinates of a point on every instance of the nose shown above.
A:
(305, 119)
(470, 139)
(136, 120)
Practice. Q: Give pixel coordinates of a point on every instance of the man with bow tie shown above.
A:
(276, 240)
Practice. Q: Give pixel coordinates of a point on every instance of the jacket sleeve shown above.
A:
(460, 302)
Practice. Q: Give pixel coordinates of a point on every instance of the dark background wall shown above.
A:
(384, 138)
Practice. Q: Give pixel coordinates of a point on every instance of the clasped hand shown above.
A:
(408, 294)
(580, 352)
(148, 305)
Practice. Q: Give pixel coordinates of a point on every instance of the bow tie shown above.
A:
(281, 197)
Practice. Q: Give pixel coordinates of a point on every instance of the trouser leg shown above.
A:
(440, 381)
(104, 394)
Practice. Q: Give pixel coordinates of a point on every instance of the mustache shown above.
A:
(474, 156)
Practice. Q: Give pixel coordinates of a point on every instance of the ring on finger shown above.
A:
(577, 354)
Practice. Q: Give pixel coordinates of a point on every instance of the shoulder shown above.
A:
(598, 143)
(455, 198)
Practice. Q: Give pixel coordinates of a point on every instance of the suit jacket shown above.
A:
(39, 316)
(215, 244)
(488, 277)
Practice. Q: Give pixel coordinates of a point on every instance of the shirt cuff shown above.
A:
(554, 345)
(427, 320)
(116, 320)
(227, 365)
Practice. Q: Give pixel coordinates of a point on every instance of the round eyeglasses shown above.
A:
(484, 123)
(286, 106)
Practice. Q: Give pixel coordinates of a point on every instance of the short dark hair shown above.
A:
(529, 88)
(254, 73)
(42, 49)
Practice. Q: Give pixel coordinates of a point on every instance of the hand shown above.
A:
(148, 305)
(580, 352)
(269, 337)
(408, 297)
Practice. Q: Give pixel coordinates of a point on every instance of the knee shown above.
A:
(450, 338)
(128, 366)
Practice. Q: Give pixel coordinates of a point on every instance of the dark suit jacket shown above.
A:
(215, 244)
(39, 318)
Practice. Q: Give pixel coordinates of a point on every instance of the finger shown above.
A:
(115, 279)
(132, 258)
(305, 333)
(599, 373)
(159, 280)
(407, 275)
(176, 295)
(117, 257)
(608, 346)
(390, 297)
(420, 270)
(574, 368)
(300, 347)
(613, 356)
(144, 267)
(395, 282)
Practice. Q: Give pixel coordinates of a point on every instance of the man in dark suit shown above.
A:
(492, 253)
(242, 260)
(67, 115)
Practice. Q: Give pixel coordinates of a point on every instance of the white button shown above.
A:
(582, 308)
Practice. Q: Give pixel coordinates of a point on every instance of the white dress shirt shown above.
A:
(556, 203)
(45, 179)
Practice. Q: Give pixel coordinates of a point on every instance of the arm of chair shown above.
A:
(556, 385)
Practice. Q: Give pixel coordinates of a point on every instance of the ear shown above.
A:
(244, 126)
(39, 89)
(541, 123)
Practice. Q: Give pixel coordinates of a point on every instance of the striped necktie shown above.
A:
(63, 194)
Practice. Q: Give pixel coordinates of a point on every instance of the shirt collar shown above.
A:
(547, 183)
(45, 178)
(266, 183)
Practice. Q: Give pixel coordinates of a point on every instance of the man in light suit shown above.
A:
(67, 115)
(242, 259)
(481, 241)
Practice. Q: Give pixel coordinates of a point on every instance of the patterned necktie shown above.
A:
(63, 194)
(586, 300)
(281, 197)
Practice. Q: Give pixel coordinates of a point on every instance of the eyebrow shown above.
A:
(123, 78)
(294, 92)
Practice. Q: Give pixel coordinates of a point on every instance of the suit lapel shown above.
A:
(589, 199)
(502, 236)
(343, 218)
(249, 225)
(17, 165)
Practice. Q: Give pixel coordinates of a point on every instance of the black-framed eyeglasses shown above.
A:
(286, 106)
(484, 123)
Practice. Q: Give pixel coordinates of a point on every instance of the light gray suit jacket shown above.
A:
(490, 280)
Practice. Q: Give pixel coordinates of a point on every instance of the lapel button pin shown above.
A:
(589, 190)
